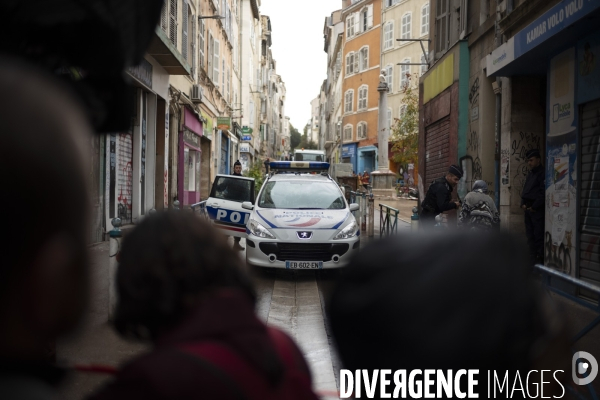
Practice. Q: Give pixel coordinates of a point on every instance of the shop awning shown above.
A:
(528, 51)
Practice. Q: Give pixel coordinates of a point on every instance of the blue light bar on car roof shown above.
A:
(299, 165)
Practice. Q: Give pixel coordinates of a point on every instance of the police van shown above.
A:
(224, 205)
(300, 220)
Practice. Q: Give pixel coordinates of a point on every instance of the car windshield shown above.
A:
(308, 157)
(301, 195)
(233, 189)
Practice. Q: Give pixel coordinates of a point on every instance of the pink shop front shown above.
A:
(189, 159)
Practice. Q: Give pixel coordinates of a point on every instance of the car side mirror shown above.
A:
(248, 205)
(353, 207)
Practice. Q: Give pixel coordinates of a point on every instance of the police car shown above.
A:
(224, 205)
(300, 220)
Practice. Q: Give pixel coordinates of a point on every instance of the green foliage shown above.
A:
(295, 137)
(405, 130)
(257, 172)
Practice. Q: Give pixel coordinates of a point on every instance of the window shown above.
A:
(338, 64)
(423, 67)
(406, 26)
(389, 77)
(366, 18)
(348, 100)
(388, 35)
(251, 70)
(442, 25)
(350, 26)
(389, 118)
(351, 63)
(216, 63)
(425, 19)
(201, 42)
(404, 73)
(390, 3)
(223, 78)
(363, 93)
(228, 85)
(361, 130)
(364, 58)
(347, 132)
(402, 111)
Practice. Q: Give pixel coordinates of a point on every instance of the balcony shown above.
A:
(167, 55)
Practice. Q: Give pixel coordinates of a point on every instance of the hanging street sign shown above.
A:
(223, 123)
(246, 130)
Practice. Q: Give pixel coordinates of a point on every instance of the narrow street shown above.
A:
(291, 300)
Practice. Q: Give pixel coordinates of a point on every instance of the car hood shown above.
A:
(294, 219)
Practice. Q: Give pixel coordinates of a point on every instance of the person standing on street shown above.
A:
(478, 211)
(532, 202)
(439, 196)
(365, 179)
(237, 171)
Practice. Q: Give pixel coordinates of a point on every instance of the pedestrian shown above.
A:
(181, 288)
(439, 197)
(44, 133)
(532, 203)
(478, 211)
(365, 179)
(237, 171)
(446, 303)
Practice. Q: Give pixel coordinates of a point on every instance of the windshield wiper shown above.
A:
(309, 208)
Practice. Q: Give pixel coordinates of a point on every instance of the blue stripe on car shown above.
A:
(267, 221)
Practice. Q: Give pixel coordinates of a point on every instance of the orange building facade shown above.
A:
(361, 68)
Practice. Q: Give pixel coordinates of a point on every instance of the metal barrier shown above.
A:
(202, 207)
(388, 223)
(577, 284)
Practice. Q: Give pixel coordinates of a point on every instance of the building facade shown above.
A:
(360, 68)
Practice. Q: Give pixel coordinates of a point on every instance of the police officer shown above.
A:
(237, 171)
(532, 202)
(439, 196)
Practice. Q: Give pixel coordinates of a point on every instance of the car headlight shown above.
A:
(348, 232)
(258, 230)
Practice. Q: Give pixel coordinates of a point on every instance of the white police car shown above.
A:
(224, 205)
(301, 220)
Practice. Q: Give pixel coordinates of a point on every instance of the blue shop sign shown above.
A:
(247, 138)
(348, 150)
(562, 15)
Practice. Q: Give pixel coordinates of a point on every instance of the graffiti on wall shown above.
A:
(522, 143)
(558, 257)
(474, 93)
(504, 166)
(473, 142)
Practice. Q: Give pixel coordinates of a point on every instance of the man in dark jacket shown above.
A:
(237, 171)
(439, 196)
(532, 202)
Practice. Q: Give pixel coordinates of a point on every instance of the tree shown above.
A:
(295, 137)
(405, 130)
(305, 143)
(256, 171)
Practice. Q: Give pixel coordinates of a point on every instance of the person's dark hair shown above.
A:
(446, 301)
(167, 264)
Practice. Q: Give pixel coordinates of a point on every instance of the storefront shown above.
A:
(367, 159)
(349, 155)
(189, 159)
(569, 60)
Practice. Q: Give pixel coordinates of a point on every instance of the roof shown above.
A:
(300, 177)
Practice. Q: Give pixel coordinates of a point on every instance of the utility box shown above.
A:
(338, 170)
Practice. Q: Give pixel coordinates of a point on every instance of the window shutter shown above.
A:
(216, 63)
(441, 26)
(173, 21)
(348, 25)
(349, 64)
(193, 48)
(370, 16)
(209, 56)
(202, 43)
(356, 23)
(164, 20)
(184, 30)
(355, 67)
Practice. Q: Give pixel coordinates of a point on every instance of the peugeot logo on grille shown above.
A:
(304, 235)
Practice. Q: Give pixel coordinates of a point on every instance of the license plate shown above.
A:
(304, 264)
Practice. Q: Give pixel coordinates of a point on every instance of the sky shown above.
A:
(297, 36)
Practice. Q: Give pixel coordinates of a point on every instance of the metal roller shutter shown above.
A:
(589, 193)
(437, 147)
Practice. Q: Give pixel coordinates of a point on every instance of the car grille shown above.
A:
(304, 251)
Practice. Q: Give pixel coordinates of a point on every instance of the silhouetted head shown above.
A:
(168, 264)
(480, 186)
(43, 164)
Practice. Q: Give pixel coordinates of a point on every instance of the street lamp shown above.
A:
(211, 17)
